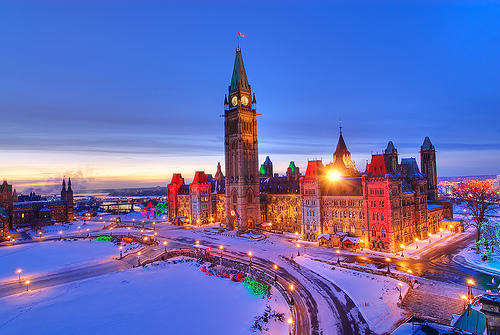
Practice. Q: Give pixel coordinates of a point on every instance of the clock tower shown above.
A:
(241, 152)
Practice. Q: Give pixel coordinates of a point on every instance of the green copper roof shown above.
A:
(292, 166)
(262, 170)
(239, 75)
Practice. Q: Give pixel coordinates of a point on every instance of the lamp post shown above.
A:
(88, 232)
(250, 255)
(290, 322)
(165, 245)
(361, 243)
(128, 228)
(27, 285)
(111, 231)
(19, 274)
(40, 234)
(400, 287)
(409, 271)
(275, 274)
(416, 243)
(138, 258)
(121, 248)
(470, 283)
(464, 298)
(338, 257)
(388, 260)
(430, 238)
(60, 234)
(441, 231)
(402, 250)
(296, 236)
(298, 249)
(221, 247)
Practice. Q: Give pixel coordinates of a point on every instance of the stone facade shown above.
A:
(14, 213)
(386, 206)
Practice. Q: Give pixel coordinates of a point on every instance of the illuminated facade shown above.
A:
(14, 213)
(388, 205)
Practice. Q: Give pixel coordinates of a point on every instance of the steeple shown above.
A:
(342, 156)
(64, 185)
(69, 184)
(239, 79)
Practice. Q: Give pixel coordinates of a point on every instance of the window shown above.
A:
(374, 231)
(235, 197)
(382, 216)
(382, 232)
(353, 230)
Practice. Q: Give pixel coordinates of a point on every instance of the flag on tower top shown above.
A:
(240, 34)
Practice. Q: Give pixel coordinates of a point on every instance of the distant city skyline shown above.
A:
(118, 95)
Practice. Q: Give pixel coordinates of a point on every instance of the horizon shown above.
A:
(124, 95)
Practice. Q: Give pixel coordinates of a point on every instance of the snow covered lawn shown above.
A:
(375, 296)
(472, 257)
(49, 256)
(164, 298)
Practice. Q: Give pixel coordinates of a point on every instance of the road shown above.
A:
(435, 263)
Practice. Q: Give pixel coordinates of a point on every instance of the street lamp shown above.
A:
(430, 238)
(27, 285)
(441, 231)
(296, 236)
(361, 243)
(388, 260)
(111, 231)
(121, 248)
(470, 283)
(338, 257)
(128, 228)
(292, 287)
(464, 298)
(416, 243)
(197, 242)
(139, 258)
(402, 250)
(221, 247)
(250, 255)
(165, 245)
(298, 249)
(400, 287)
(275, 275)
(19, 273)
(290, 322)
(409, 271)
(40, 233)
(60, 234)
(88, 233)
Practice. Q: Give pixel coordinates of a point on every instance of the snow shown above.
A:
(164, 298)
(49, 256)
(378, 304)
(474, 259)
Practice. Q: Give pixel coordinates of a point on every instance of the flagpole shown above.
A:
(238, 41)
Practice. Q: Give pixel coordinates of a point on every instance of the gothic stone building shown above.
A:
(388, 205)
(14, 213)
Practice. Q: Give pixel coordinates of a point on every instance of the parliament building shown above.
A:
(18, 211)
(387, 206)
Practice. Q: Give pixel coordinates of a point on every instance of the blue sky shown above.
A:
(120, 94)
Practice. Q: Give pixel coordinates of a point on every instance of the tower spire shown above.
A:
(340, 126)
(239, 79)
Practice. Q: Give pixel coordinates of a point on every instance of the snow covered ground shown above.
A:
(474, 259)
(375, 296)
(49, 256)
(165, 298)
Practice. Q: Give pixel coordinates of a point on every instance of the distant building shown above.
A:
(388, 205)
(33, 213)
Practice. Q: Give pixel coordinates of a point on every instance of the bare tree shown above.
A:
(480, 198)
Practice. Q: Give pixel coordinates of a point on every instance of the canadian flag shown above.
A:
(242, 35)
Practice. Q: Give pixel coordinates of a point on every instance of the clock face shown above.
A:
(234, 100)
(244, 101)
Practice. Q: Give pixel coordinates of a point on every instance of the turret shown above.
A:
(428, 168)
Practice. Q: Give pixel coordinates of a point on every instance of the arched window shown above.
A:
(374, 231)
(382, 232)
(249, 196)
(235, 197)
(353, 230)
(373, 216)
